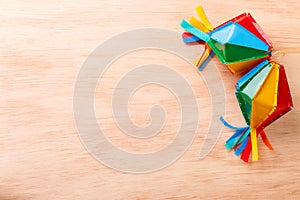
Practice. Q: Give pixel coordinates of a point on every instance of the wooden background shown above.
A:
(42, 47)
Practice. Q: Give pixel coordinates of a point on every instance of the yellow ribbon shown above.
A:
(254, 144)
(203, 17)
(204, 26)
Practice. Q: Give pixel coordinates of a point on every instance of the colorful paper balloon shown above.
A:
(262, 92)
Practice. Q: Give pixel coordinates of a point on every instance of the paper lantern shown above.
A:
(263, 92)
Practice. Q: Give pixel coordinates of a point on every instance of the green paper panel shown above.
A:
(248, 90)
(212, 43)
(234, 53)
(245, 105)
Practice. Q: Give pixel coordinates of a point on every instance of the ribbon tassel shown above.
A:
(244, 141)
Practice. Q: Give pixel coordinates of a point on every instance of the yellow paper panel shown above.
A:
(243, 66)
(265, 99)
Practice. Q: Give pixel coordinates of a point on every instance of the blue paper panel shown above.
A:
(250, 74)
(233, 33)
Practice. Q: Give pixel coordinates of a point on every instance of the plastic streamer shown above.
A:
(262, 92)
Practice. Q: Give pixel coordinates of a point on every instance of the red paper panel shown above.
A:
(284, 100)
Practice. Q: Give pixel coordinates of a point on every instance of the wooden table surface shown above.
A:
(43, 45)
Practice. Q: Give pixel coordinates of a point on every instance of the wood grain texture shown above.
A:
(42, 47)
